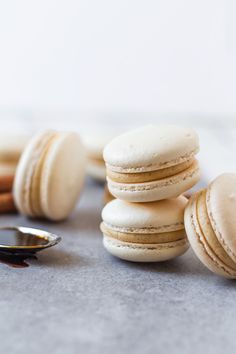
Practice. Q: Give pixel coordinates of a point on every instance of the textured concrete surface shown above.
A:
(78, 299)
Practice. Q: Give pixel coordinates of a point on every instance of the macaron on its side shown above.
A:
(152, 163)
(147, 232)
(50, 175)
(165, 188)
(63, 176)
(203, 238)
(25, 171)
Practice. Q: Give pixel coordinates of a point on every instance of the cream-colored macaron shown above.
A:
(145, 232)
(211, 227)
(152, 163)
(94, 145)
(50, 175)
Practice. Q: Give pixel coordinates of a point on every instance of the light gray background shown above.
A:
(126, 55)
(78, 299)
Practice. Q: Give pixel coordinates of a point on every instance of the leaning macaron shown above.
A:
(145, 232)
(152, 163)
(210, 225)
(50, 175)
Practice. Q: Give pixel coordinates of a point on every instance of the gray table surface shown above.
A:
(76, 298)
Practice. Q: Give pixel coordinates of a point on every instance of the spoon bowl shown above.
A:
(25, 240)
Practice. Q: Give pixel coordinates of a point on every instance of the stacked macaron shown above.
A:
(147, 171)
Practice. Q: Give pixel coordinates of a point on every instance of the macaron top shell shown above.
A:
(150, 148)
(221, 206)
(153, 217)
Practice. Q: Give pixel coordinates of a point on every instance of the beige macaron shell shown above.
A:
(221, 205)
(25, 170)
(63, 177)
(151, 147)
(165, 188)
(199, 243)
(147, 252)
(162, 216)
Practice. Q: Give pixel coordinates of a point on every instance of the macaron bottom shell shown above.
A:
(203, 240)
(145, 252)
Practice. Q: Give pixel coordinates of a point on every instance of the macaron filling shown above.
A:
(143, 238)
(150, 175)
(178, 247)
(191, 173)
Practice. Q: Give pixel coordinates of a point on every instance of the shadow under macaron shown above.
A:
(185, 265)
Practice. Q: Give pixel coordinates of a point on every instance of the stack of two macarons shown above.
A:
(148, 170)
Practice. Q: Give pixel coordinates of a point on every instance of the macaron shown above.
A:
(152, 163)
(210, 225)
(94, 144)
(50, 175)
(145, 232)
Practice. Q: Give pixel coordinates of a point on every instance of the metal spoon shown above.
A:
(25, 240)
